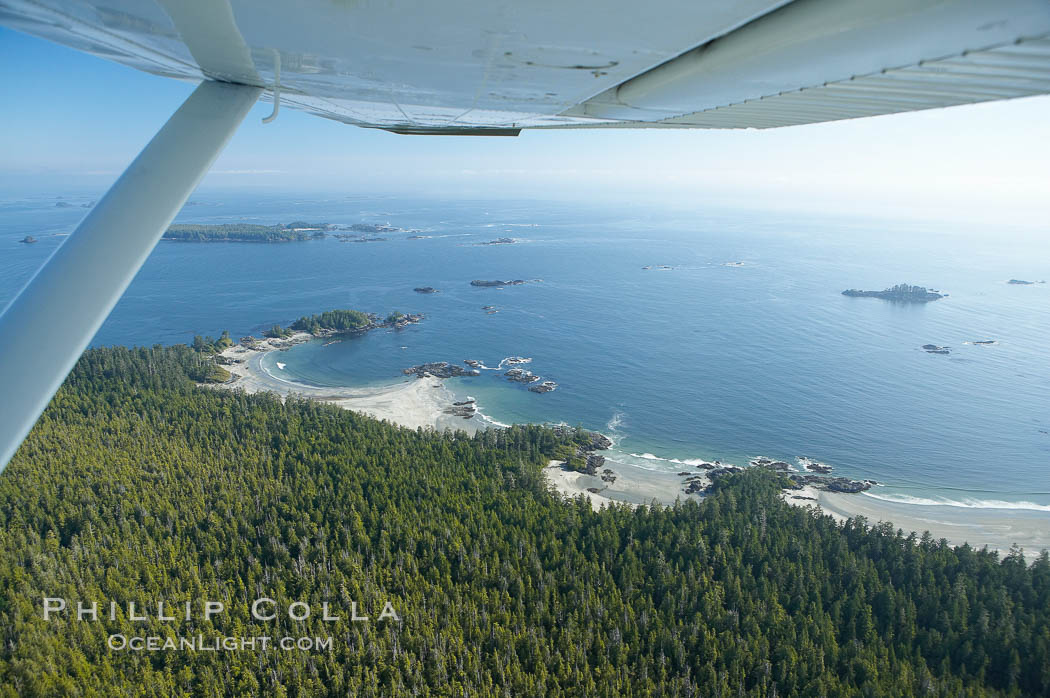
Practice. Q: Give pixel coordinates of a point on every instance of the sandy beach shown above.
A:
(413, 402)
(996, 528)
(631, 486)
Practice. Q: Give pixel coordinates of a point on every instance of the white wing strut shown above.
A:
(47, 326)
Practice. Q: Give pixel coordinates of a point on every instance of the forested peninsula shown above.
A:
(138, 485)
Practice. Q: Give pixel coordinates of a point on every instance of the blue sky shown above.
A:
(75, 121)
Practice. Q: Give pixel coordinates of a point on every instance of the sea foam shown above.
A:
(968, 503)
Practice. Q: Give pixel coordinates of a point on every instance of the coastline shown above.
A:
(630, 487)
(425, 402)
(413, 403)
(998, 529)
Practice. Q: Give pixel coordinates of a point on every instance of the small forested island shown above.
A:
(28, 239)
(901, 292)
(491, 284)
(350, 321)
(373, 228)
(296, 231)
(1022, 282)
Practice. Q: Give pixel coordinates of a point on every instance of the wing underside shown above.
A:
(465, 66)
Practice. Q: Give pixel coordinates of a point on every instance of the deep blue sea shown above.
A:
(702, 360)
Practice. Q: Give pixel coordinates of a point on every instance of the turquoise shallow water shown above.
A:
(700, 361)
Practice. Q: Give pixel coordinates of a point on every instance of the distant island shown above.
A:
(425, 289)
(490, 284)
(1022, 282)
(900, 292)
(936, 349)
(373, 228)
(28, 239)
(499, 241)
(297, 231)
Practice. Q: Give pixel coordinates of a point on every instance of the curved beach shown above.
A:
(999, 529)
(412, 403)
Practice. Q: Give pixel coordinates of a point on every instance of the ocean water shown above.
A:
(702, 360)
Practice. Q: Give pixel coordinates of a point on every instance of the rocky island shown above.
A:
(936, 349)
(499, 241)
(28, 239)
(497, 284)
(374, 228)
(297, 231)
(425, 289)
(520, 375)
(440, 369)
(903, 293)
(1022, 282)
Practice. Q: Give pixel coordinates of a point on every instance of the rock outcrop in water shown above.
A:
(440, 369)
(1022, 282)
(936, 349)
(499, 241)
(497, 283)
(814, 466)
(28, 239)
(425, 289)
(520, 375)
(544, 387)
(465, 409)
(902, 293)
(778, 465)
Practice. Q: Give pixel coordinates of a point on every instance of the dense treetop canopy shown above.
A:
(137, 485)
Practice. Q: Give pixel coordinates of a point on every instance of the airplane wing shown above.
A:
(493, 66)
